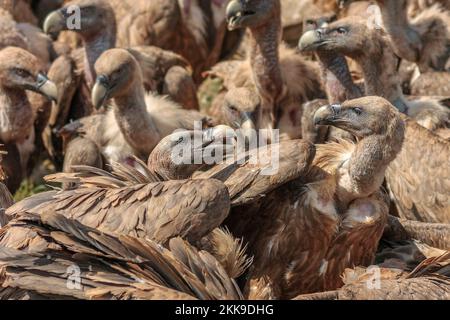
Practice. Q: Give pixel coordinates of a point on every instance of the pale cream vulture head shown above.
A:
(21, 70)
(117, 72)
(362, 117)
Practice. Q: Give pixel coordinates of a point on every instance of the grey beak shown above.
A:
(46, 87)
(327, 114)
(100, 91)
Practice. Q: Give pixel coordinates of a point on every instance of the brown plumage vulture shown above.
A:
(429, 281)
(157, 208)
(20, 71)
(281, 77)
(419, 188)
(109, 266)
(98, 28)
(193, 29)
(326, 209)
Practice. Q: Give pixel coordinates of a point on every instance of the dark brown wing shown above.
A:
(159, 211)
(254, 179)
(109, 267)
(419, 178)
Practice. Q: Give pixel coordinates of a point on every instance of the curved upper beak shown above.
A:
(46, 87)
(310, 40)
(248, 121)
(327, 114)
(100, 91)
(234, 13)
(54, 23)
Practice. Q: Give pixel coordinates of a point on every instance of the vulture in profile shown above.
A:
(163, 71)
(111, 266)
(326, 209)
(20, 71)
(157, 208)
(353, 37)
(436, 235)
(136, 121)
(419, 188)
(281, 77)
(424, 40)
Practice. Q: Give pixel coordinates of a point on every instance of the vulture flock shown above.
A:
(97, 96)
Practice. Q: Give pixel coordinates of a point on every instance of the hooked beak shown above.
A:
(54, 23)
(236, 15)
(100, 91)
(46, 87)
(248, 121)
(326, 115)
(310, 40)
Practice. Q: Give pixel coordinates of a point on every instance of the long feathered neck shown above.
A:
(336, 77)
(136, 124)
(405, 39)
(379, 66)
(373, 154)
(264, 59)
(94, 47)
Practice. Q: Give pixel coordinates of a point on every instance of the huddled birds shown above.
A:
(352, 100)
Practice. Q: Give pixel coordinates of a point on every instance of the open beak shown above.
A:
(326, 115)
(233, 14)
(46, 87)
(310, 40)
(100, 91)
(54, 23)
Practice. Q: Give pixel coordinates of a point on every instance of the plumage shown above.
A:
(136, 121)
(111, 266)
(281, 77)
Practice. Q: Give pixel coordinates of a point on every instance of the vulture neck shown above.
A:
(371, 157)
(264, 59)
(379, 66)
(405, 39)
(336, 77)
(93, 48)
(136, 124)
(15, 115)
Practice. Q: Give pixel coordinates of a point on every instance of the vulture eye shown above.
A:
(22, 72)
(357, 110)
(310, 22)
(341, 30)
(233, 108)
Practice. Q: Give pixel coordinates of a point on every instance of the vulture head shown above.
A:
(350, 36)
(21, 70)
(241, 108)
(321, 20)
(363, 117)
(95, 16)
(180, 154)
(117, 73)
(251, 13)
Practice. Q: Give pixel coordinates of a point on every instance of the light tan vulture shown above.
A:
(429, 281)
(419, 188)
(21, 71)
(136, 121)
